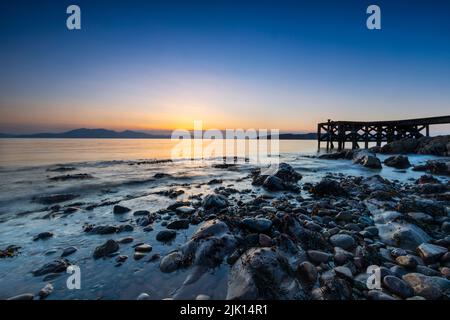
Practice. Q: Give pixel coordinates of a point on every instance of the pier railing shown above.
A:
(355, 132)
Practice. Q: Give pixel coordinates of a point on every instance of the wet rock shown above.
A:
(143, 296)
(426, 178)
(327, 187)
(143, 248)
(398, 287)
(178, 224)
(406, 261)
(24, 296)
(431, 288)
(399, 162)
(307, 272)
(343, 272)
(171, 262)
(138, 255)
(165, 235)
(430, 252)
(257, 224)
(434, 167)
(143, 221)
(100, 229)
(126, 240)
(342, 240)
(77, 176)
(277, 178)
(106, 249)
(68, 251)
(214, 202)
(185, 210)
(125, 228)
(341, 256)
(402, 146)
(121, 258)
(261, 273)
(203, 297)
(421, 205)
(56, 266)
(318, 256)
(43, 236)
(420, 217)
(141, 213)
(54, 198)
(367, 159)
(117, 209)
(45, 291)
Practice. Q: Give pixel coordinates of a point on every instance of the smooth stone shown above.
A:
(265, 240)
(431, 288)
(166, 235)
(141, 213)
(307, 271)
(398, 287)
(343, 272)
(257, 224)
(56, 266)
(406, 261)
(138, 255)
(105, 249)
(43, 236)
(379, 295)
(203, 297)
(121, 258)
(143, 248)
(342, 240)
(185, 210)
(171, 262)
(178, 224)
(117, 209)
(430, 252)
(68, 251)
(126, 240)
(214, 201)
(143, 296)
(317, 256)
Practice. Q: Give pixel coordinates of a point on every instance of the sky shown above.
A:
(160, 65)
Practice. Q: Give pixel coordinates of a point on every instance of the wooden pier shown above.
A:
(355, 132)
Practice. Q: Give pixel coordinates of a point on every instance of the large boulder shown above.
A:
(263, 273)
(441, 167)
(277, 178)
(106, 249)
(402, 146)
(367, 158)
(398, 162)
(214, 202)
(439, 146)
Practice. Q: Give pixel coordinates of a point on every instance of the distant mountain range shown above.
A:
(127, 134)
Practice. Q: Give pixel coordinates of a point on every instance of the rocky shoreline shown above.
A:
(308, 241)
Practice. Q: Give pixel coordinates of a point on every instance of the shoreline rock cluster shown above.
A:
(299, 241)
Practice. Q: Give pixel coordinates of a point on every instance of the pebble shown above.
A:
(342, 240)
(117, 209)
(45, 291)
(307, 271)
(68, 251)
(143, 248)
(143, 296)
(257, 224)
(166, 235)
(398, 287)
(105, 249)
(317, 256)
(406, 261)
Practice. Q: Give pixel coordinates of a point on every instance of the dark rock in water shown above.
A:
(9, 252)
(68, 251)
(125, 228)
(178, 204)
(398, 287)
(161, 175)
(327, 187)
(55, 198)
(61, 169)
(166, 235)
(257, 224)
(214, 202)
(120, 209)
(431, 288)
(121, 258)
(171, 262)
(106, 249)
(56, 266)
(430, 252)
(434, 167)
(45, 291)
(277, 178)
(178, 224)
(261, 273)
(402, 146)
(24, 296)
(43, 236)
(406, 261)
(426, 178)
(143, 221)
(215, 181)
(78, 176)
(345, 154)
(343, 241)
(367, 159)
(101, 229)
(399, 162)
(138, 255)
(141, 213)
(439, 145)
(430, 188)
(185, 210)
(143, 248)
(265, 240)
(421, 205)
(126, 240)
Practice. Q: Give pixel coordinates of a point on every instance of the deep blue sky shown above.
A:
(262, 64)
